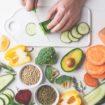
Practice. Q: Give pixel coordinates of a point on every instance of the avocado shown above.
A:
(72, 60)
(43, 26)
(95, 95)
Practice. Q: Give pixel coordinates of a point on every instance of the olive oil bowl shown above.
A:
(30, 75)
(46, 94)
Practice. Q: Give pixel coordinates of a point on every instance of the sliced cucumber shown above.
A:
(5, 80)
(96, 95)
(75, 33)
(5, 98)
(65, 37)
(2, 101)
(44, 25)
(9, 92)
(72, 38)
(83, 28)
(31, 29)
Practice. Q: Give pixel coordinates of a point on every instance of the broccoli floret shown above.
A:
(46, 55)
(51, 73)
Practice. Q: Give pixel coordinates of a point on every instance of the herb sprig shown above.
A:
(78, 86)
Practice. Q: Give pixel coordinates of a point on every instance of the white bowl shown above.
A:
(40, 79)
(57, 93)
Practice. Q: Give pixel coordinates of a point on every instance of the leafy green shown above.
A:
(62, 79)
(46, 55)
(51, 73)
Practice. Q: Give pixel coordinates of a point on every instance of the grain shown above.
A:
(30, 75)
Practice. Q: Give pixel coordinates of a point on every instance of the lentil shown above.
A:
(46, 95)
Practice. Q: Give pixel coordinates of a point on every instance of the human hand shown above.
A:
(30, 4)
(64, 14)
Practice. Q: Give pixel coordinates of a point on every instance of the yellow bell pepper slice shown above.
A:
(4, 43)
(70, 98)
(18, 55)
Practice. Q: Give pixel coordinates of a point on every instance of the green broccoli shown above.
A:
(46, 55)
(51, 73)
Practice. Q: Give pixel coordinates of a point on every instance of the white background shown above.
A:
(8, 7)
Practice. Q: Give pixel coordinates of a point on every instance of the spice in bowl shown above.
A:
(46, 95)
(30, 75)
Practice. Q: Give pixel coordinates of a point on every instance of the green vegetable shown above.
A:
(9, 93)
(8, 68)
(83, 28)
(5, 80)
(46, 56)
(51, 73)
(73, 39)
(31, 29)
(65, 37)
(95, 95)
(5, 98)
(2, 101)
(75, 33)
(44, 25)
(64, 80)
(72, 60)
(101, 102)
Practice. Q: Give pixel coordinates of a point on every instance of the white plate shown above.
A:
(15, 26)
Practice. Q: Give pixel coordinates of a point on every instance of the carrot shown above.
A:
(99, 76)
(96, 55)
(90, 81)
(94, 69)
(102, 35)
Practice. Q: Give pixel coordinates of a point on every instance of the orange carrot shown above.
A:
(90, 81)
(96, 55)
(93, 69)
(102, 35)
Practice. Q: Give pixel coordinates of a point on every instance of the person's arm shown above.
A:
(65, 14)
(30, 4)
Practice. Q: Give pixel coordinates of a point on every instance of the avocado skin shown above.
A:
(76, 66)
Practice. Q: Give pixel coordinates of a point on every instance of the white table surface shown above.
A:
(8, 7)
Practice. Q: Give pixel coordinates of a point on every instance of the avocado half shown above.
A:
(77, 55)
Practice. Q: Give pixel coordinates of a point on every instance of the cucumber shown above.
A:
(5, 80)
(75, 33)
(83, 28)
(2, 101)
(9, 93)
(72, 38)
(65, 37)
(5, 98)
(96, 95)
(31, 29)
(44, 25)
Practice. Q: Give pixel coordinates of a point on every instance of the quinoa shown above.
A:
(30, 75)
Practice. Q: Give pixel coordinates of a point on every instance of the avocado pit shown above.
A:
(70, 62)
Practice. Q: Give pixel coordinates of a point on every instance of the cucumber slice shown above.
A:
(75, 33)
(31, 29)
(83, 28)
(96, 95)
(5, 98)
(65, 37)
(43, 26)
(5, 80)
(2, 101)
(9, 93)
(72, 38)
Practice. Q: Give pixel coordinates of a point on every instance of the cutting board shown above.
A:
(15, 26)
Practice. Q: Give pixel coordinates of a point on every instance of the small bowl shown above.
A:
(36, 84)
(55, 89)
